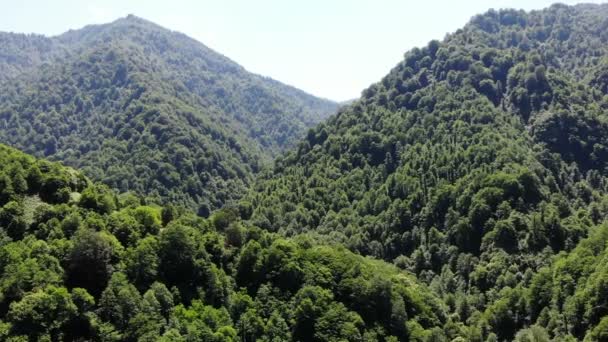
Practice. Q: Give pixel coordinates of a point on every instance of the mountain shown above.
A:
(464, 197)
(148, 110)
(79, 262)
(22, 52)
(473, 164)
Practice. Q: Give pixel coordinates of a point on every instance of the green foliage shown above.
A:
(83, 270)
(477, 166)
(90, 260)
(97, 198)
(43, 312)
(472, 164)
(532, 334)
(145, 109)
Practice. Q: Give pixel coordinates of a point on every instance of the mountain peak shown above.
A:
(134, 19)
(202, 101)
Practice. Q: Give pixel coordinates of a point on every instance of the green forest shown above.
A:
(153, 190)
(144, 109)
(478, 164)
(81, 262)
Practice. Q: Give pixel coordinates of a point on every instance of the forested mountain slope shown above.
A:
(20, 53)
(145, 109)
(471, 164)
(81, 262)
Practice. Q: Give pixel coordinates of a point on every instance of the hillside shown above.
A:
(471, 164)
(463, 197)
(80, 262)
(148, 110)
(21, 53)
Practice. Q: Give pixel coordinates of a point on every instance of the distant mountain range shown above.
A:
(145, 109)
(463, 197)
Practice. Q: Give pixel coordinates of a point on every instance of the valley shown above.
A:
(152, 189)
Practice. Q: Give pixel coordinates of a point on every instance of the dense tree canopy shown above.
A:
(471, 164)
(463, 197)
(144, 109)
(96, 265)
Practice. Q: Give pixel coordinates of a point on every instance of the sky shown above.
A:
(330, 48)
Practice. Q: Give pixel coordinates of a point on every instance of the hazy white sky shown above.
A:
(330, 48)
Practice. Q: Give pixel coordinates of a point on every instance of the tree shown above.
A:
(45, 311)
(310, 304)
(119, 302)
(598, 333)
(337, 323)
(142, 262)
(12, 220)
(125, 227)
(532, 334)
(276, 329)
(179, 263)
(90, 260)
(97, 198)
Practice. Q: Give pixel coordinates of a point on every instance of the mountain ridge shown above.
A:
(477, 167)
(473, 164)
(238, 120)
